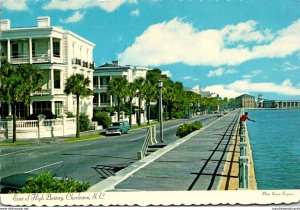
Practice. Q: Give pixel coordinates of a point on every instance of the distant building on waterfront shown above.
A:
(104, 73)
(59, 54)
(245, 101)
(279, 104)
(260, 101)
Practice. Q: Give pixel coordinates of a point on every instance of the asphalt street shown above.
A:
(77, 160)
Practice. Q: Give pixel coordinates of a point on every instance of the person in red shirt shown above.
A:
(245, 117)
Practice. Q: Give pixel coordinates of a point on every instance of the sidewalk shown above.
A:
(195, 162)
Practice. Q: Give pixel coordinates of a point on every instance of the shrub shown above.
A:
(47, 183)
(102, 118)
(84, 122)
(70, 115)
(188, 128)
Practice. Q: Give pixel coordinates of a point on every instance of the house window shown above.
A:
(96, 99)
(15, 50)
(58, 107)
(41, 107)
(56, 49)
(57, 79)
(33, 49)
(95, 82)
(104, 98)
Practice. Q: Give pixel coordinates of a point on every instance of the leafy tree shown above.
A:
(150, 95)
(102, 118)
(117, 88)
(78, 85)
(16, 85)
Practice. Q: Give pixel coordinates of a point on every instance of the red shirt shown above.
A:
(244, 118)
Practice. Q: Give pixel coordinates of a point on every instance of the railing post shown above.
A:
(154, 134)
(243, 172)
(151, 135)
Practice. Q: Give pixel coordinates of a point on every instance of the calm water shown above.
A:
(275, 143)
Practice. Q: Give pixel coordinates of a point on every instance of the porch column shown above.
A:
(111, 100)
(99, 85)
(30, 50)
(52, 106)
(31, 108)
(99, 100)
(51, 49)
(9, 109)
(8, 50)
(52, 81)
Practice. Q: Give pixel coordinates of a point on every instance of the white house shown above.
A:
(103, 74)
(59, 53)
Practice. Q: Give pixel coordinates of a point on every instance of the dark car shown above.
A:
(119, 128)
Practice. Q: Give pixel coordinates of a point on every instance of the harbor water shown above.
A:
(275, 144)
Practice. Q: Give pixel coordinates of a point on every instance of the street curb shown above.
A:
(110, 183)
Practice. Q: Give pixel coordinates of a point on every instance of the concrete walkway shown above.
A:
(195, 162)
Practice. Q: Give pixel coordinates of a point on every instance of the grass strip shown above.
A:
(4, 144)
(82, 138)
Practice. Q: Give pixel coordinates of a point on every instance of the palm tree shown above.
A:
(130, 93)
(78, 85)
(140, 93)
(117, 87)
(14, 89)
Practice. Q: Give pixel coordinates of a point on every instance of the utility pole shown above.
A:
(160, 86)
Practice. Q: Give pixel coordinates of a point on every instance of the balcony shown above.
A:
(42, 92)
(92, 65)
(41, 58)
(18, 59)
(76, 61)
(85, 64)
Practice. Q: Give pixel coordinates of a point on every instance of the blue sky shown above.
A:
(230, 47)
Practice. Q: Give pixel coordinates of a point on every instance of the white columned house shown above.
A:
(59, 53)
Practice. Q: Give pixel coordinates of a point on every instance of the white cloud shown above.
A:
(187, 77)
(76, 17)
(246, 86)
(176, 41)
(246, 32)
(252, 74)
(107, 5)
(18, 5)
(290, 67)
(135, 12)
(168, 73)
(220, 72)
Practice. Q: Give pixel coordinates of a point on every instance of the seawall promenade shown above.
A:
(195, 162)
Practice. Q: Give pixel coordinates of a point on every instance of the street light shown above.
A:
(160, 85)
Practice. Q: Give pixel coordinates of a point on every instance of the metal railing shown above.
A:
(149, 140)
(243, 159)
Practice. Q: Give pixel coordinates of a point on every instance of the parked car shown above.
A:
(119, 128)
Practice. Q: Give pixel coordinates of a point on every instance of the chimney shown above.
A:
(5, 24)
(43, 21)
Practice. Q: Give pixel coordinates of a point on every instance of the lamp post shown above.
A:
(160, 85)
